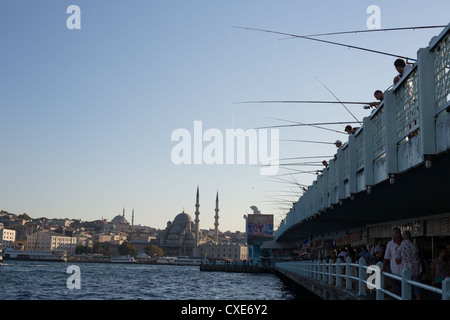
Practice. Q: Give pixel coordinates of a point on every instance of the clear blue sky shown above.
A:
(87, 115)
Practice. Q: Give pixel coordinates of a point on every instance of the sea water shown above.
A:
(31, 280)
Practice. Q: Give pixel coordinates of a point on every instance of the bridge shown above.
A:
(396, 165)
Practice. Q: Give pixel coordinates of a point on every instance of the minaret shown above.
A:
(216, 217)
(132, 218)
(197, 220)
(123, 214)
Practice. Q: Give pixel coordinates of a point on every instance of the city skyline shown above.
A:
(88, 114)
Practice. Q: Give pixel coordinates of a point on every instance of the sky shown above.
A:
(87, 115)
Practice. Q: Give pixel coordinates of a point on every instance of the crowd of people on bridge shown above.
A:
(397, 254)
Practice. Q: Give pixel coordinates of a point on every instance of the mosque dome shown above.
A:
(176, 229)
(182, 218)
(119, 219)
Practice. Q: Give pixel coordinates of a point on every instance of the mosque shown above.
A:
(121, 224)
(183, 236)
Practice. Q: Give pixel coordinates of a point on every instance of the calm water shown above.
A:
(23, 280)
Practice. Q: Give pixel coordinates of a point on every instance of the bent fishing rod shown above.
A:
(297, 124)
(309, 124)
(302, 101)
(364, 31)
(328, 42)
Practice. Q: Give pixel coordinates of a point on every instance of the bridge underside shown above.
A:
(415, 193)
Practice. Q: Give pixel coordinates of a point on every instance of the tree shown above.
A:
(24, 216)
(127, 248)
(100, 248)
(153, 251)
(80, 249)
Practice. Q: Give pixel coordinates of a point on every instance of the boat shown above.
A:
(187, 261)
(31, 255)
(181, 260)
(165, 260)
(123, 259)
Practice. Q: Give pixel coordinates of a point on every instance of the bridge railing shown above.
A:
(411, 125)
(360, 278)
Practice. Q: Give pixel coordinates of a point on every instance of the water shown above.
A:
(26, 280)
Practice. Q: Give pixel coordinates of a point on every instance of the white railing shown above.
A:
(360, 277)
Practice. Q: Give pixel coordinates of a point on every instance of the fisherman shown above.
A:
(338, 144)
(350, 130)
(402, 68)
(378, 94)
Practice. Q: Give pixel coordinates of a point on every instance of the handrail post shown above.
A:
(446, 289)
(330, 278)
(379, 292)
(338, 273)
(324, 273)
(362, 273)
(348, 272)
(316, 270)
(406, 287)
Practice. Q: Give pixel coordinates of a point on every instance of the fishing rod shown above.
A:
(302, 101)
(302, 124)
(298, 170)
(329, 42)
(300, 164)
(313, 172)
(308, 124)
(363, 31)
(339, 101)
(290, 182)
(305, 157)
(314, 124)
(308, 141)
(314, 163)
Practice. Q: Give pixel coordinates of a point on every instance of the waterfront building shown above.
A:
(7, 238)
(51, 241)
(224, 251)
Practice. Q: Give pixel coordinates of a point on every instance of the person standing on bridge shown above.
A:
(402, 68)
(408, 256)
(440, 269)
(389, 258)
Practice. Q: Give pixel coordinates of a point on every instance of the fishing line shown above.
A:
(339, 101)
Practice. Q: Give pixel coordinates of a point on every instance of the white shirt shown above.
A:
(390, 254)
(406, 69)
